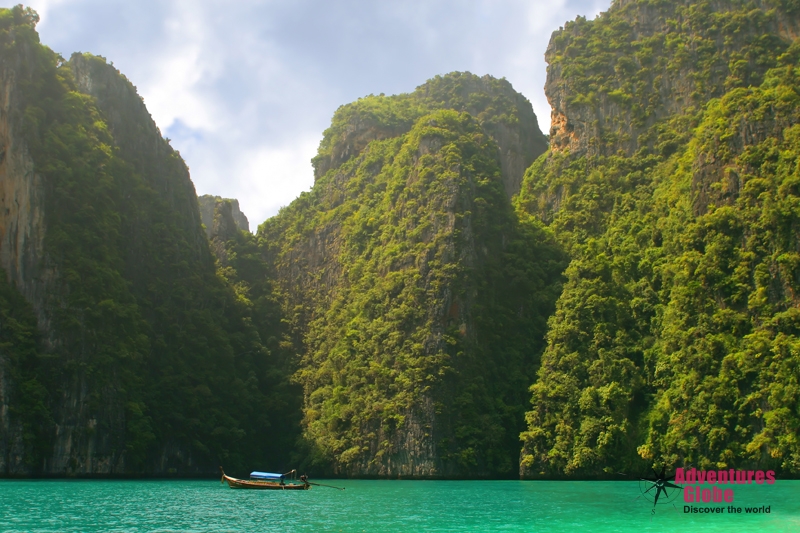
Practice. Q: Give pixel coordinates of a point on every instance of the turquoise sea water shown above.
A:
(376, 506)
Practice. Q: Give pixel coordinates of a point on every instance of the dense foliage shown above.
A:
(675, 339)
(504, 114)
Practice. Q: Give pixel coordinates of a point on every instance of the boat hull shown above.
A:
(262, 485)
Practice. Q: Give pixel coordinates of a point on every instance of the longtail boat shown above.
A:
(267, 481)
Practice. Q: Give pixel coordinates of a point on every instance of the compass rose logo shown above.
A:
(659, 489)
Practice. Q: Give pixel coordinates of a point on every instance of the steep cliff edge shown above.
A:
(671, 180)
(417, 298)
(213, 206)
(140, 343)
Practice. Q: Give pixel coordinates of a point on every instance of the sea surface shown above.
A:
(380, 506)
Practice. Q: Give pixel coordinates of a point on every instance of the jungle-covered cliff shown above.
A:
(418, 297)
(124, 349)
(672, 182)
(621, 293)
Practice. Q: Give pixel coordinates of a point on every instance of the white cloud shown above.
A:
(43, 7)
(172, 88)
(274, 176)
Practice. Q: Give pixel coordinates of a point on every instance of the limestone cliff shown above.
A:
(22, 229)
(415, 334)
(138, 338)
(668, 181)
(655, 60)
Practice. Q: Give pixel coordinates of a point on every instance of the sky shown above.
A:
(245, 89)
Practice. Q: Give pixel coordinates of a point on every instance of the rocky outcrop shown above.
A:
(213, 206)
(222, 220)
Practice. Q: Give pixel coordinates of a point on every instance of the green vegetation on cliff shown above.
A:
(504, 114)
(638, 298)
(419, 298)
(673, 185)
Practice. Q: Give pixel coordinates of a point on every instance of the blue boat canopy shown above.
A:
(265, 475)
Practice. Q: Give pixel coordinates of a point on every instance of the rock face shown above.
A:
(395, 278)
(21, 236)
(21, 201)
(222, 220)
(213, 206)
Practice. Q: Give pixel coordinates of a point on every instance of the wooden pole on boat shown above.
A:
(321, 485)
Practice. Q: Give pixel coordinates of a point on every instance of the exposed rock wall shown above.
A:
(22, 209)
(21, 254)
(211, 205)
(22, 229)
